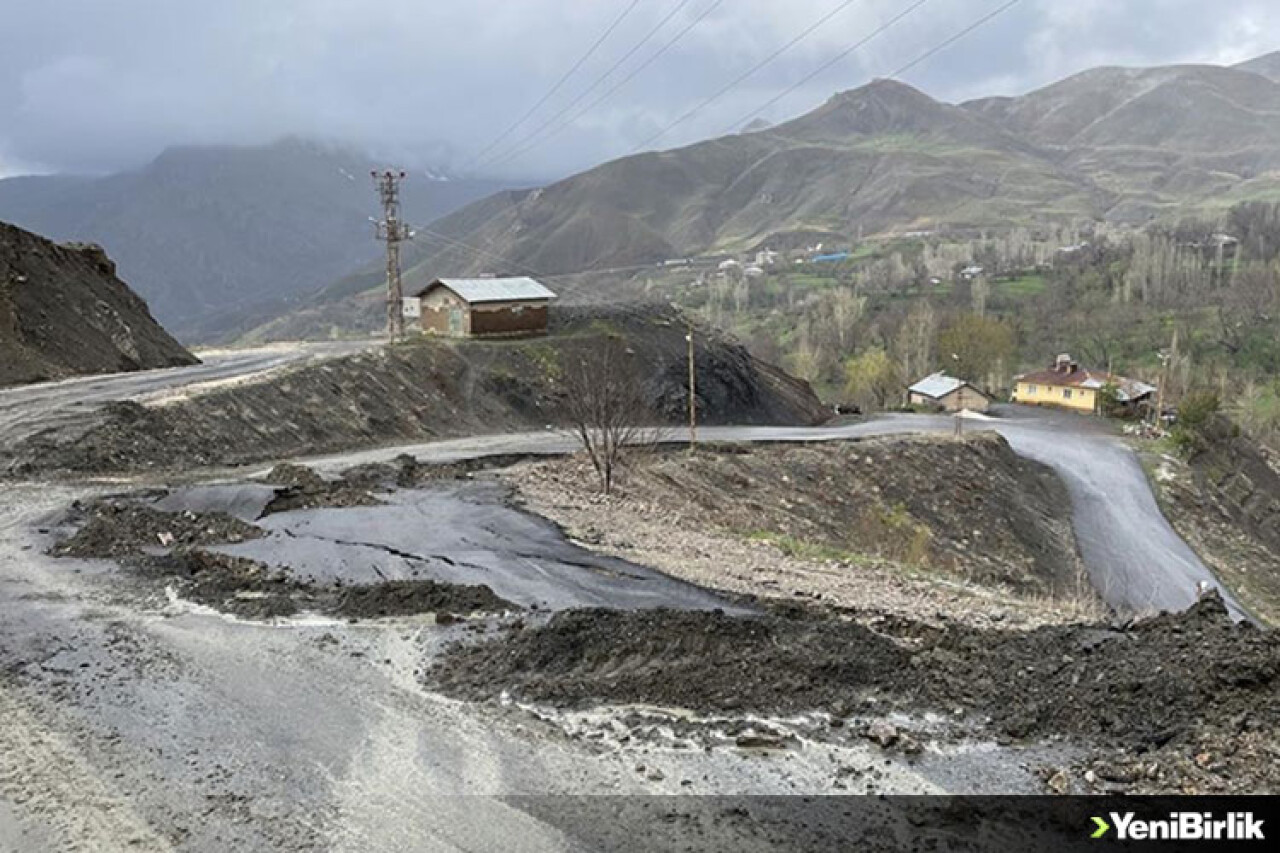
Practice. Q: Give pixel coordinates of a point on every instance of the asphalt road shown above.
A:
(1135, 558)
(28, 409)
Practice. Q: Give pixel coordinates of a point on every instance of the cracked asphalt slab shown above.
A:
(462, 533)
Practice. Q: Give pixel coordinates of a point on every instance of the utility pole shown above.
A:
(1167, 358)
(693, 393)
(959, 420)
(392, 231)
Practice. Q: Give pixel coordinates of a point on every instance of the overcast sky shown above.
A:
(101, 85)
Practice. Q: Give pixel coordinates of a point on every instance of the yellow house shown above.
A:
(1069, 386)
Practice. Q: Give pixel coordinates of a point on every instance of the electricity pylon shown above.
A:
(392, 231)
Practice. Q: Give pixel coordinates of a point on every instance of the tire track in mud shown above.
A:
(389, 800)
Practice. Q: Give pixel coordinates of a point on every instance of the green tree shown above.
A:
(872, 379)
(1196, 414)
(975, 347)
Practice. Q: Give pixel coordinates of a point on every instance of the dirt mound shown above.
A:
(402, 598)
(235, 585)
(702, 661)
(303, 488)
(1142, 686)
(122, 527)
(64, 312)
(972, 509)
(1174, 681)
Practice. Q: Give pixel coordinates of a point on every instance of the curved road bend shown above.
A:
(1136, 560)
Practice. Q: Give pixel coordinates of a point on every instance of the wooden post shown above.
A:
(693, 394)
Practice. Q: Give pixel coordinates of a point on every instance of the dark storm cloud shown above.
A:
(87, 85)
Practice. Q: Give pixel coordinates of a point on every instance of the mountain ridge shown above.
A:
(208, 230)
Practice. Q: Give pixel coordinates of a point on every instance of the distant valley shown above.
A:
(215, 237)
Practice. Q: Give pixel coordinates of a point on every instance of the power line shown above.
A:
(902, 70)
(824, 66)
(964, 32)
(559, 83)
(532, 143)
(750, 71)
(520, 145)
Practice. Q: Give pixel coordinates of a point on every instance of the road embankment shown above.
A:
(418, 391)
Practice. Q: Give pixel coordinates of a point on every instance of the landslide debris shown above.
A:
(235, 585)
(64, 312)
(701, 661)
(403, 598)
(1170, 687)
(118, 527)
(252, 590)
(302, 488)
(170, 550)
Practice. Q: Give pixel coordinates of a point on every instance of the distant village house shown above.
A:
(1069, 386)
(948, 393)
(480, 307)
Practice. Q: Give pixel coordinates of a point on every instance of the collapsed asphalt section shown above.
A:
(359, 546)
(1175, 700)
(172, 551)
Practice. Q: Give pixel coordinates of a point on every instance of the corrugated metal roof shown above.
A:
(1126, 389)
(493, 289)
(936, 386)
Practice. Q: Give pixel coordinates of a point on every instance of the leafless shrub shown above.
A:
(606, 407)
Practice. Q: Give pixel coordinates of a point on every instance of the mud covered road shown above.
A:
(128, 721)
(141, 721)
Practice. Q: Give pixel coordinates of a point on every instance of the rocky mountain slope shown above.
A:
(882, 156)
(212, 235)
(1118, 144)
(63, 311)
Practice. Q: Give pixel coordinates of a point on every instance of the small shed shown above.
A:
(483, 307)
(948, 393)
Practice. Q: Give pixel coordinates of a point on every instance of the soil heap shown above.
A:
(64, 312)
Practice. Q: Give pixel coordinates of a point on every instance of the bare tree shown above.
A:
(605, 405)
